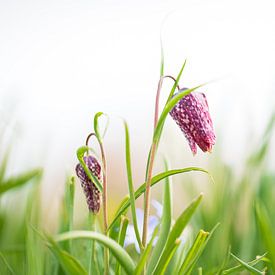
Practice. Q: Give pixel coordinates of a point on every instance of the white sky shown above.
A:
(62, 61)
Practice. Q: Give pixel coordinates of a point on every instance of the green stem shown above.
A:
(92, 262)
(151, 159)
(104, 196)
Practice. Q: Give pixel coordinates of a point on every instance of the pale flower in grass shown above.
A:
(154, 221)
(192, 115)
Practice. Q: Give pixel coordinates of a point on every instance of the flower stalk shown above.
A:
(104, 194)
(151, 161)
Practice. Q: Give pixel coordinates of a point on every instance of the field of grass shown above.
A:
(231, 233)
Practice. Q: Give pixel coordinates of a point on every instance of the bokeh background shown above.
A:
(63, 61)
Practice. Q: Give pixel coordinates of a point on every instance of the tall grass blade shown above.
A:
(130, 184)
(165, 224)
(69, 264)
(177, 229)
(20, 180)
(121, 238)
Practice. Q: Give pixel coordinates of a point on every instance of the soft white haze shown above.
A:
(62, 61)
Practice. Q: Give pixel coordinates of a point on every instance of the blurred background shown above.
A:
(63, 61)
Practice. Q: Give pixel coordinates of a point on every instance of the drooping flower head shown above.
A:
(191, 113)
(92, 194)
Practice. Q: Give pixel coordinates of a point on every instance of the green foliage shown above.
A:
(25, 248)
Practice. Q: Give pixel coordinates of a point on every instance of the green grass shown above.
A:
(232, 229)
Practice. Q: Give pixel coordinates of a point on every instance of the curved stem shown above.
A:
(104, 194)
(151, 162)
(171, 77)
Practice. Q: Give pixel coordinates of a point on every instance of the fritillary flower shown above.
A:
(92, 194)
(191, 114)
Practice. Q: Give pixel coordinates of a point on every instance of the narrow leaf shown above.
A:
(144, 257)
(124, 206)
(130, 184)
(266, 231)
(121, 238)
(251, 269)
(240, 268)
(121, 255)
(177, 229)
(165, 224)
(176, 83)
(69, 264)
(20, 180)
(163, 264)
(194, 252)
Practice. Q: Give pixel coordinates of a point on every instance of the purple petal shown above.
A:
(191, 113)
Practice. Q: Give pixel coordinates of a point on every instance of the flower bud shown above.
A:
(92, 194)
(191, 113)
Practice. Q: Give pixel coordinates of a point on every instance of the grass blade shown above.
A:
(177, 229)
(144, 257)
(69, 264)
(96, 127)
(163, 264)
(266, 231)
(121, 255)
(240, 268)
(176, 83)
(165, 224)
(3, 167)
(124, 206)
(20, 180)
(247, 266)
(121, 238)
(194, 253)
(68, 206)
(130, 184)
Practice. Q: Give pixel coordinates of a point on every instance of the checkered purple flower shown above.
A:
(191, 113)
(92, 194)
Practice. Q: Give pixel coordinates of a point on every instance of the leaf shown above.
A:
(124, 206)
(3, 166)
(266, 231)
(9, 268)
(144, 257)
(121, 238)
(247, 266)
(130, 184)
(80, 154)
(162, 58)
(165, 225)
(240, 268)
(197, 249)
(177, 229)
(161, 268)
(20, 180)
(194, 252)
(96, 127)
(121, 255)
(68, 207)
(176, 83)
(69, 264)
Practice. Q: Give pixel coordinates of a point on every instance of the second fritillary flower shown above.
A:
(93, 195)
